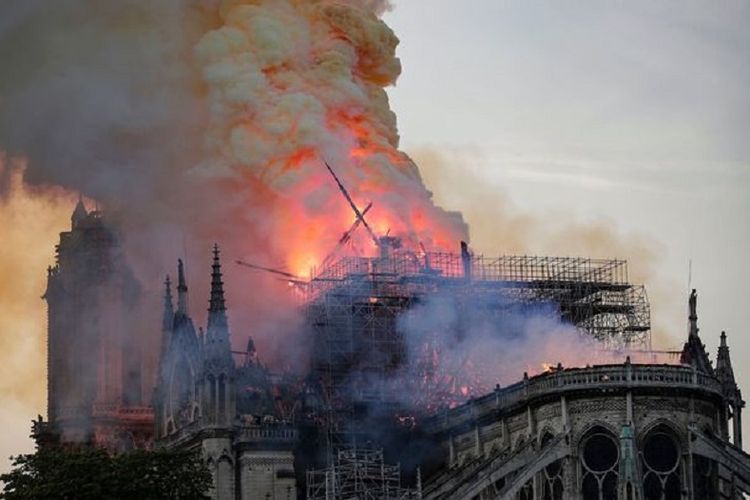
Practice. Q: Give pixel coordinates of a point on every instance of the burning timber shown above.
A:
(593, 294)
(354, 307)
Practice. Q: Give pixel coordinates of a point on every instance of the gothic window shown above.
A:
(600, 456)
(553, 483)
(552, 476)
(181, 390)
(527, 491)
(661, 466)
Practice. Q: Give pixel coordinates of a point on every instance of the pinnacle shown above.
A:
(216, 302)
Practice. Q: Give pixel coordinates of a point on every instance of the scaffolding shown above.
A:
(354, 306)
(361, 475)
(593, 294)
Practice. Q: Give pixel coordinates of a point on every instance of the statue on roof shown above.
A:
(692, 303)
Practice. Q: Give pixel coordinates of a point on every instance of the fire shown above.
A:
(293, 84)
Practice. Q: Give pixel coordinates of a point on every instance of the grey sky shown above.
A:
(631, 114)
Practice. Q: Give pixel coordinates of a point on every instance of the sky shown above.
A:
(630, 117)
(606, 129)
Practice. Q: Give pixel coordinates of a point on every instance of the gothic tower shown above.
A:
(219, 395)
(177, 394)
(196, 394)
(93, 360)
(219, 405)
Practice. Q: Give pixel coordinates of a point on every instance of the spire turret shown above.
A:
(168, 317)
(724, 371)
(219, 363)
(732, 393)
(167, 322)
(217, 316)
(79, 214)
(182, 300)
(216, 303)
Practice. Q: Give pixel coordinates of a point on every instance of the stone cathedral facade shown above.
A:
(221, 409)
(619, 432)
(97, 392)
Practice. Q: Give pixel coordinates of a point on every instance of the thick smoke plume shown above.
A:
(292, 84)
(198, 121)
(461, 346)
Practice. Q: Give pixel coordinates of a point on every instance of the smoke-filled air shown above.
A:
(194, 122)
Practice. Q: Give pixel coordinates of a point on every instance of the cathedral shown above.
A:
(206, 402)
(631, 431)
(96, 392)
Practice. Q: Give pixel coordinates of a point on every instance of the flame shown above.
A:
(292, 84)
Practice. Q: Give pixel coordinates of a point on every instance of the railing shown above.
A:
(241, 432)
(564, 380)
(266, 433)
(104, 410)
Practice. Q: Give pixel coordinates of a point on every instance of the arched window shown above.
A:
(222, 397)
(599, 456)
(552, 475)
(660, 456)
(527, 491)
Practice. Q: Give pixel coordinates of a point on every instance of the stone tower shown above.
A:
(93, 362)
(205, 402)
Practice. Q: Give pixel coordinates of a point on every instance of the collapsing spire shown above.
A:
(182, 289)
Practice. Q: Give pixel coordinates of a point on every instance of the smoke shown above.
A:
(29, 222)
(461, 346)
(196, 121)
(292, 84)
(500, 226)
